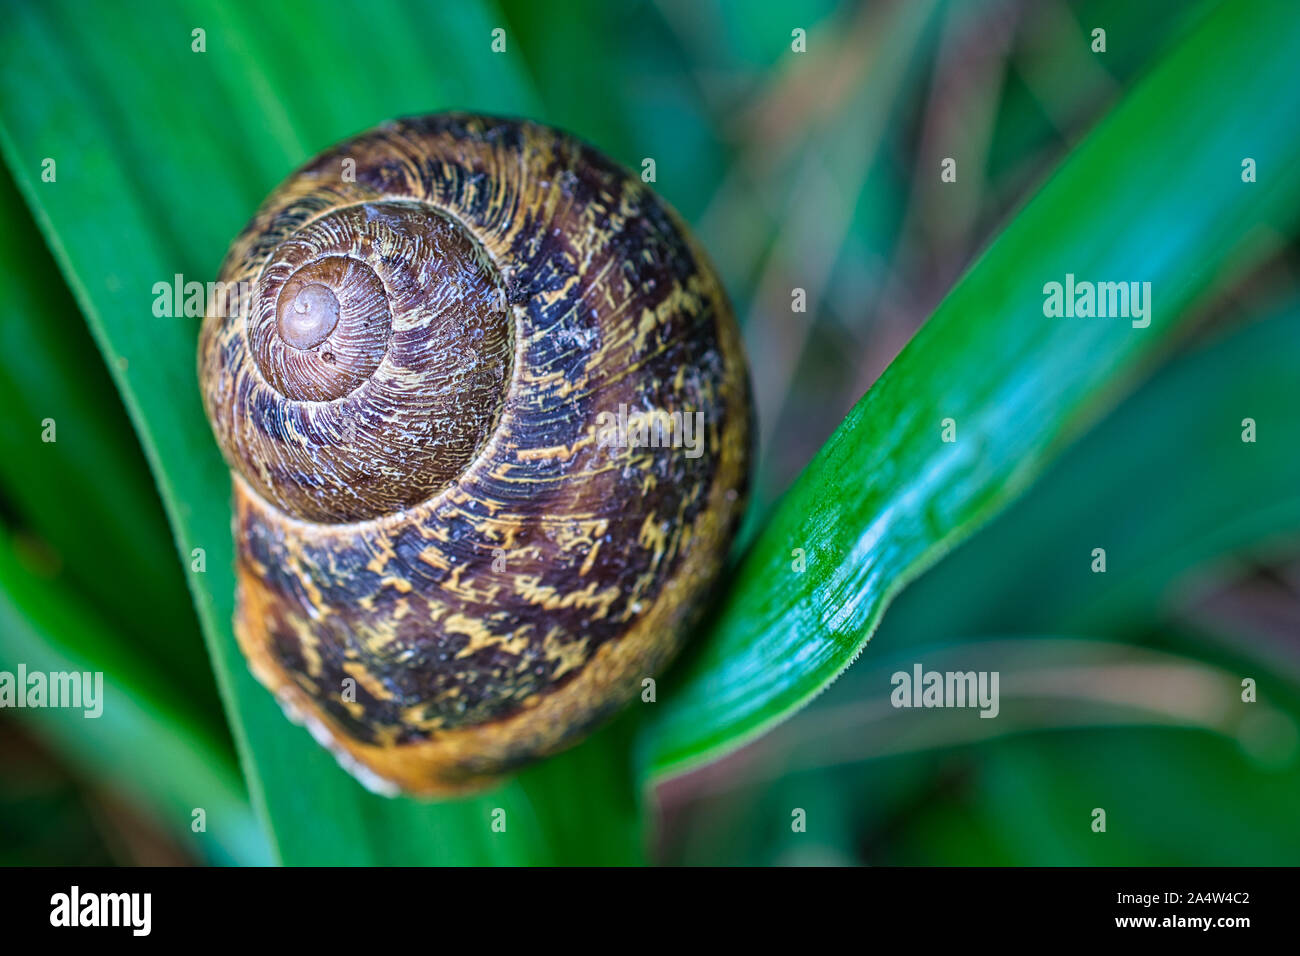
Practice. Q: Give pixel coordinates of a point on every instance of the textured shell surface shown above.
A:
(442, 567)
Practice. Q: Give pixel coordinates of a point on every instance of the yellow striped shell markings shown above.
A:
(472, 515)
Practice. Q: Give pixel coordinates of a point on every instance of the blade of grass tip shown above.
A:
(1155, 194)
(1077, 503)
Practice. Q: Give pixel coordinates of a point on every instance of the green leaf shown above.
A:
(1173, 797)
(1028, 572)
(925, 786)
(145, 739)
(1155, 195)
(93, 506)
(1157, 519)
(163, 154)
(1045, 682)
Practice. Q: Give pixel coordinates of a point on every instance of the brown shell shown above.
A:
(442, 567)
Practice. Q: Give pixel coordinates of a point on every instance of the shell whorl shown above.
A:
(410, 405)
(378, 348)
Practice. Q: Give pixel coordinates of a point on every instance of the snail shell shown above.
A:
(444, 565)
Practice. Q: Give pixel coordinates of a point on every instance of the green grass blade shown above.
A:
(93, 87)
(86, 496)
(146, 740)
(1153, 194)
(1157, 519)
(1045, 682)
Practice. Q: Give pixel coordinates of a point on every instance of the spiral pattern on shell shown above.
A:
(441, 566)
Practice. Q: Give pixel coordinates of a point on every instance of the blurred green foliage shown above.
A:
(817, 170)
